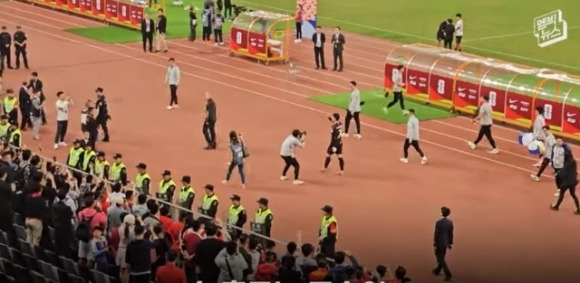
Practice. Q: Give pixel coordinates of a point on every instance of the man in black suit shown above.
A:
(319, 38)
(37, 87)
(442, 241)
(147, 29)
(25, 103)
(337, 48)
(161, 31)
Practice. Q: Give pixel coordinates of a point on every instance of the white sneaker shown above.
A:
(557, 194)
(243, 186)
(169, 107)
(225, 182)
(55, 146)
(340, 173)
(62, 144)
(283, 178)
(404, 160)
(494, 151)
(358, 136)
(471, 145)
(386, 110)
(297, 182)
(175, 106)
(222, 44)
(345, 135)
(216, 44)
(423, 160)
(534, 177)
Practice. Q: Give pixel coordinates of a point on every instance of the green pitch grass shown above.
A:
(493, 28)
(177, 26)
(374, 107)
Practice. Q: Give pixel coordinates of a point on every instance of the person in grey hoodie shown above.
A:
(231, 263)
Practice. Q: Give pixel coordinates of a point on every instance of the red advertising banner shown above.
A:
(571, 120)
(552, 112)
(50, 2)
(124, 15)
(136, 14)
(466, 94)
(85, 6)
(519, 107)
(417, 82)
(496, 98)
(257, 43)
(62, 3)
(239, 39)
(98, 7)
(441, 89)
(74, 4)
(112, 9)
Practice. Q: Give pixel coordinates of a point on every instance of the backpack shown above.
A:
(83, 231)
(245, 152)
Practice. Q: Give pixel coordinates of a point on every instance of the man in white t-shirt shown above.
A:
(62, 104)
(458, 31)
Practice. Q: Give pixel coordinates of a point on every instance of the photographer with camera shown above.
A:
(296, 139)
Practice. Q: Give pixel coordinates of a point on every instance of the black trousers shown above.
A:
(415, 145)
(349, 117)
(337, 54)
(572, 191)
(485, 130)
(298, 30)
(102, 122)
(145, 278)
(228, 11)
(397, 97)
(190, 274)
(291, 161)
(61, 128)
(192, 33)
(209, 133)
(218, 36)
(440, 253)
(147, 38)
(206, 33)
(26, 121)
(21, 52)
(448, 43)
(173, 93)
(543, 166)
(63, 242)
(5, 55)
(319, 57)
(327, 247)
(13, 116)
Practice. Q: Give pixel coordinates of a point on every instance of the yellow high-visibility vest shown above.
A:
(325, 224)
(9, 104)
(140, 178)
(261, 216)
(164, 185)
(234, 214)
(74, 156)
(116, 171)
(184, 193)
(100, 166)
(207, 201)
(4, 129)
(88, 156)
(13, 135)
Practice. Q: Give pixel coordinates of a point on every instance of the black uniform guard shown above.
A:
(92, 127)
(335, 146)
(20, 40)
(209, 123)
(5, 44)
(103, 113)
(37, 87)
(25, 104)
(443, 240)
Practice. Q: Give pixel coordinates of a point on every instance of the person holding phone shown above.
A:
(62, 105)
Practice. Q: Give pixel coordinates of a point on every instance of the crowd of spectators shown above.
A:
(51, 216)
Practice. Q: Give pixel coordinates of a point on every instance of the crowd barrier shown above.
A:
(456, 81)
(122, 12)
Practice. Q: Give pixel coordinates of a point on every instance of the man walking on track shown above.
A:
(397, 89)
(443, 240)
(172, 78)
(353, 110)
(412, 138)
(485, 120)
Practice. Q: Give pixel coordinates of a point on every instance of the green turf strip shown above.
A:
(374, 107)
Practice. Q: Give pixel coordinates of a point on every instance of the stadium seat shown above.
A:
(5, 252)
(32, 263)
(18, 219)
(3, 238)
(52, 258)
(99, 277)
(49, 271)
(2, 270)
(26, 248)
(51, 233)
(17, 257)
(76, 279)
(20, 273)
(70, 266)
(40, 254)
(37, 277)
(20, 231)
(62, 276)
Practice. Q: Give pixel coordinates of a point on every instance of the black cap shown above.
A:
(142, 166)
(208, 187)
(14, 123)
(77, 141)
(263, 201)
(117, 155)
(166, 173)
(327, 209)
(99, 89)
(4, 117)
(236, 197)
(186, 179)
(18, 26)
(101, 154)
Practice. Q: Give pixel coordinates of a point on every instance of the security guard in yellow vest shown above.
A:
(89, 157)
(166, 187)
(119, 170)
(263, 219)
(15, 139)
(209, 205)
(10, 103)
(4, 127)
(237, 217)
(75, 155)
(102, 167)
(328, 233)
(186, 194)
(142, 180)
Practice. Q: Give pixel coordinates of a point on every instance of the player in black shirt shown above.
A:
(335, 146)
(449, 31)
(441, 33)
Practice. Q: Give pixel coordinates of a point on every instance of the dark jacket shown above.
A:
(24, 99)
(5, 206)
(449, 31)
(61, 215)
(162, 24)
(210, 111)
(5, 40)
(338, 43)
(443, 237)
(37, 86)
(568, 175)
(322, 38)
(144, 26)
(192, 18)
(35, 206)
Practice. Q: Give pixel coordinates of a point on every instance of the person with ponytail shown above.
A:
(237, 160)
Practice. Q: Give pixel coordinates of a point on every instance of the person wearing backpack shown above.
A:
(89, 218)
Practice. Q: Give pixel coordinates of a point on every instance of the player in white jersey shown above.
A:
(458, 31)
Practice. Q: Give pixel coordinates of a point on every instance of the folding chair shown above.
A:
(70, 266)
(32, 263)
(20, 231)
(100, 277)
(26, 248)
(293, 71)
(76, 279)
(5, 252)
(49, 272)
(4, 238)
